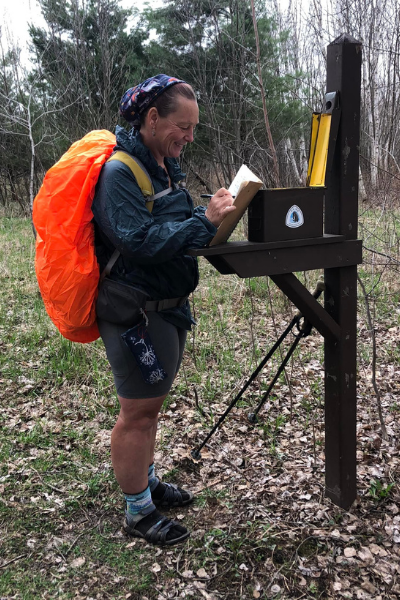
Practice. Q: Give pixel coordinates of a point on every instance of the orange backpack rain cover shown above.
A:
(66, 266)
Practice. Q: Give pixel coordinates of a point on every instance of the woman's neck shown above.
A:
(149, 142)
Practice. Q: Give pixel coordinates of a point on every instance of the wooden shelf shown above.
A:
(250, 259)
(233, 247)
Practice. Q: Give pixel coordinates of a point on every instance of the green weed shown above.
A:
(380, 491)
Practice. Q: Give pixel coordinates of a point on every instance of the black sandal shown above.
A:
(157, 533)
(173, 496)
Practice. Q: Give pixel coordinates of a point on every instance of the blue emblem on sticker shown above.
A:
(294, 217)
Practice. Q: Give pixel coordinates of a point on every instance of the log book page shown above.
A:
(244, 187)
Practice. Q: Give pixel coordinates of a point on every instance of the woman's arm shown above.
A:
(119, 209)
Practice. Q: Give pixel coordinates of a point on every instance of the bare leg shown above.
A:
(153, 444)
(155, 434)
(132, 442)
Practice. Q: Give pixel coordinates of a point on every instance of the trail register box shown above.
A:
(286, 214)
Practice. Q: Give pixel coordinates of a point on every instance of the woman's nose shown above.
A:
(189, 135)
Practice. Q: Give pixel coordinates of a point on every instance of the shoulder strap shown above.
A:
(144, 182)
(107, 269)
(139, 171)
(141, 175)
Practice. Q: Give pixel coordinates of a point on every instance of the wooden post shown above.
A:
(341, 215)
(338, 251)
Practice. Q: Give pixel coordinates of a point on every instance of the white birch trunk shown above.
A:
(33, 148)
(303, 160)
(362, 194)
(292, 161)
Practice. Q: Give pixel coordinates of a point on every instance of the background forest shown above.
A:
(91, 52)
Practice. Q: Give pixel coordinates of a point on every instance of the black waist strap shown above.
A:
(158, 305)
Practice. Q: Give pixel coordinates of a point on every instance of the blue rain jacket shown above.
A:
(153, 245)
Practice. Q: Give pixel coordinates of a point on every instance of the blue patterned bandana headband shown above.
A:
(135, 101)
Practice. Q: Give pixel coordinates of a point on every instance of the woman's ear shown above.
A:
(152, 116)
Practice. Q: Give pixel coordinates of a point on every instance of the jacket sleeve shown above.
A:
(120, 210)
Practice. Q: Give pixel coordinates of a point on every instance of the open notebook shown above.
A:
(244, 187)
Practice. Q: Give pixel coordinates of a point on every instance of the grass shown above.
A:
(60, 507)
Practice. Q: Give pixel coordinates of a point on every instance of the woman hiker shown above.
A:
(164, 113)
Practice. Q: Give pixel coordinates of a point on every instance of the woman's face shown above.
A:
(172, 133)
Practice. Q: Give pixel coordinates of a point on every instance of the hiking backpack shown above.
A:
(66, 265)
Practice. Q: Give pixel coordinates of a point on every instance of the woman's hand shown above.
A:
(220, 205)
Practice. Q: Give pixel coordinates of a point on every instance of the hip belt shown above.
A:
(157, 305)
(124, 304)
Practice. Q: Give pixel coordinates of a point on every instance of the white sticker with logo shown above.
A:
(294, 217)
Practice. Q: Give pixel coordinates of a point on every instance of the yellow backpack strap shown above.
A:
(144, 182)
(141, 175)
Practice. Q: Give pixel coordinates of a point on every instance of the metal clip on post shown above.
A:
(304, 330)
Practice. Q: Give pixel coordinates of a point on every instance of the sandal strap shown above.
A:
(158, 532)
(135, 519)
(171, 494)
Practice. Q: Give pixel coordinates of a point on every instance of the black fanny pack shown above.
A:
(124, 304)
(120, 303)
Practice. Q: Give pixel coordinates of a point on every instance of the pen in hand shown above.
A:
(210, 196)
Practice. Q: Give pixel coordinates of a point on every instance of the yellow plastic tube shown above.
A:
(320, 130)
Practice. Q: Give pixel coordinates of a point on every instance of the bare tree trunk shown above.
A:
(303, 160)
(33, 153)
(362, 194)
(292, 161)
(266, 119)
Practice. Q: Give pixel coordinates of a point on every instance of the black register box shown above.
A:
(286, 214)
